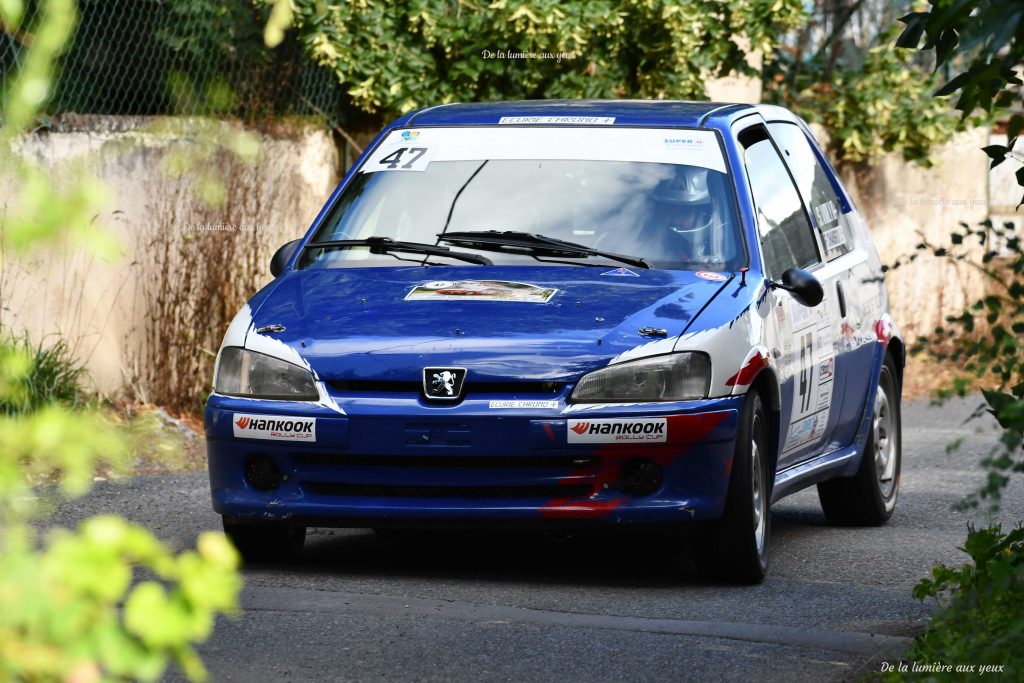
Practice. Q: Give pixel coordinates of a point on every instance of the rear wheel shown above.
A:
(736, 546)
(265, 542)
(869, 497)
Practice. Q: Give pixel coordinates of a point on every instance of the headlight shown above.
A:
(672, 377)
(246, 373)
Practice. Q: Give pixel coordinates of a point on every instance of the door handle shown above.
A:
(842, 299)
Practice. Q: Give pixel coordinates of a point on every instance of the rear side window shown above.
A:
(786, 236)
(815, 188)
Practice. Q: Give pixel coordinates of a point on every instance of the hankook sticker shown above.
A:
(618, 430)
(480, 290)
(273, 427)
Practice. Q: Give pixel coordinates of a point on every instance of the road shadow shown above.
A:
(614, 558)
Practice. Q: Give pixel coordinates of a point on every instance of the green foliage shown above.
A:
(883, 105)
(53, 375)
(980, 620)
(984, 341)
(987, 36)
(843, 71)
(395, 57)
(61, 617)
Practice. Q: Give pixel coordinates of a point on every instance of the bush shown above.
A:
(980, 621)
(53, 375)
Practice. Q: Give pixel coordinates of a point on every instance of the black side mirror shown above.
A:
(804, 287)
(282, 256)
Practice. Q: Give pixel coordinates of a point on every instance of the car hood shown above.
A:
(539, 323)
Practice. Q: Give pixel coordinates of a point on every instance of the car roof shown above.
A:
(625, 112)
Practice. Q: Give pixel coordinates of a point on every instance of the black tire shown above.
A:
(266, 542)
(735, 548)
(868, 498)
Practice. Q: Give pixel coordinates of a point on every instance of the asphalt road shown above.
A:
(357, 607)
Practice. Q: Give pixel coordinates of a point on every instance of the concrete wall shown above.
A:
(100, 307)
(903, 203)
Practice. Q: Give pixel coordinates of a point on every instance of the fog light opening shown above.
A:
(262, 473)
(641, 477)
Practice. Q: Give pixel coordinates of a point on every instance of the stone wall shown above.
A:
(103, 308)
(903, 203)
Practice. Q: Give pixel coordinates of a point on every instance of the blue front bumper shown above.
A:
(402, 460)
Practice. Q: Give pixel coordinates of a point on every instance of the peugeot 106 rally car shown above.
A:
(559, 312)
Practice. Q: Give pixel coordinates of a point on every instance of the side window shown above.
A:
(815, 188)
(786, 237)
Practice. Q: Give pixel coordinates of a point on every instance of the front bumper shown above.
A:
(402, 461)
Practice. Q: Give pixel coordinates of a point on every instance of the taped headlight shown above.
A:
(672, 377)
(241, 372)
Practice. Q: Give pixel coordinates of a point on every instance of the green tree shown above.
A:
(842, 69)
(980, 619)
(987, 38)
(61, 597)
(398, 56)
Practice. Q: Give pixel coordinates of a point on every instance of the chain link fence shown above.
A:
(179, 57)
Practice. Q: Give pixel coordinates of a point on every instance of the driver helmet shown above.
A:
(683, 203)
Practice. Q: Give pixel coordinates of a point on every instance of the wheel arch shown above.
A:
(766, 384)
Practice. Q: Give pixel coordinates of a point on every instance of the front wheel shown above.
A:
(868, 498)
(265, 542)
(736, 546)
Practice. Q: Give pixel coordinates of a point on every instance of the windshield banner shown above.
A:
(416, 149)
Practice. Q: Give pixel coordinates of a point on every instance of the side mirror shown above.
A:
(804, 287)
(282, 256)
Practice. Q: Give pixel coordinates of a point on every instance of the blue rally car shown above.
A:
(567, 313)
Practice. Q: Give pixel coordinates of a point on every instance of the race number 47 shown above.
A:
(406, 157)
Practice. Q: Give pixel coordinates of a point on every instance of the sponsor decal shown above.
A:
(714, 277)
(409, 135)
(620, 272)
(480, 290)
(527, 405)
(573, 120)
(833, 238)
(684, 142)
(618, 430)
(826, 368)
(826, 213)
(273, 427)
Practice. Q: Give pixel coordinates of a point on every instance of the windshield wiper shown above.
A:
(511, 240)
(384, 245)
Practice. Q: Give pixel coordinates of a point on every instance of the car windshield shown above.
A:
(659, 195)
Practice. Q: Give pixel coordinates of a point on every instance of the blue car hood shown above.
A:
(383, 324)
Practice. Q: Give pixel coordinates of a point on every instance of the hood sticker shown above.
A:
(480, 290)
(621, 272)
(714, 277)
